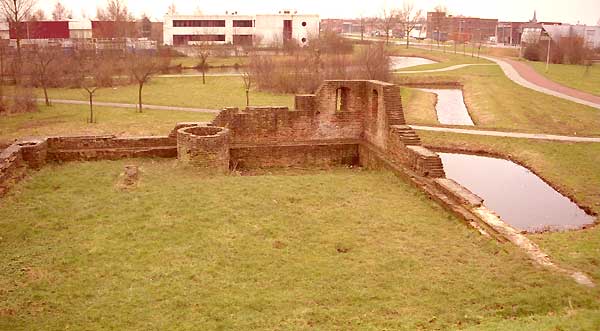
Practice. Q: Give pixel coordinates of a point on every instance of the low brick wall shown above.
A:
(12, 167)
(91, 148)
(204, 147)
(321, 155)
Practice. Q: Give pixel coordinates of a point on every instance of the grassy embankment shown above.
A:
(579, 77)
(356, 250)
(495, 102)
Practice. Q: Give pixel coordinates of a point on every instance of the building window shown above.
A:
(243, 24)
(304, 40)
(303, 23)
(186, 39)
(341, 99)
(199, 23)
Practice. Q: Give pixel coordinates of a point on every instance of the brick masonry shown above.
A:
(325, 129)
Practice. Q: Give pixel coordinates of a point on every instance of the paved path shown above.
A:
(523, 75)
(454, 67)
(538, 136)
(527, 72)
(132, 105)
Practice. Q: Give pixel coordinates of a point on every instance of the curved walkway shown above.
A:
(132, 105)
(537, 136)
(525, 76)
(454, 67)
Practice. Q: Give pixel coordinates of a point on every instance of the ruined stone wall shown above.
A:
(326, 115)
(12, 167)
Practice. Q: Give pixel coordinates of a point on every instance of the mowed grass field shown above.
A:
(343, 249)
(63, 119)
(579, 77)
(217, 93)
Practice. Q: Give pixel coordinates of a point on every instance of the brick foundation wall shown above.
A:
(310, 155)
(91, 148)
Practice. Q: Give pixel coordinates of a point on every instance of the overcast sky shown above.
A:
(571, 11)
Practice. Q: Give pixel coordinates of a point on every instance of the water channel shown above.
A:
(450, 107)
(517, 195)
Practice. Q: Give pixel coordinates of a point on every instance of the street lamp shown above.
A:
(546, 36)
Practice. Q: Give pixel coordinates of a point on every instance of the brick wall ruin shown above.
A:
(335, 126)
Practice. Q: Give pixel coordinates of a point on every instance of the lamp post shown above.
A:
(546, 36)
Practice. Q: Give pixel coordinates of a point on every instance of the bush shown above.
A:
(22, 101)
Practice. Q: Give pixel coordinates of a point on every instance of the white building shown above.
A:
(180, 30)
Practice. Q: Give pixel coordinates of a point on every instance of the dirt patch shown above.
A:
(129, 178)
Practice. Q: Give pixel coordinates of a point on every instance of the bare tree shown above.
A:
(409, 18)
(203, 52)
(141, 68)
(438, 21)
(60, 12)
(17, 11)
(248, 80)
(87, 71)
(38, 15)
(389, 20)
(374, 62)
(172, 10)
(116, 10)
(42, 61)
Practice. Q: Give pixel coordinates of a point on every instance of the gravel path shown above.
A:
(538, 136)
(454, 67)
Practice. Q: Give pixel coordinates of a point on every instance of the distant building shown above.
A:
(511, 33)
(85, 32)
(181, 30)
(459, 28)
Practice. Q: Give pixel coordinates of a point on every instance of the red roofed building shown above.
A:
(40, 30)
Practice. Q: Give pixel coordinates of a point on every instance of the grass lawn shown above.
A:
(355, 250)
(419, 107)
(572, 167)
(575, 76)
(72, 120)
(496, 102)
(219, 92)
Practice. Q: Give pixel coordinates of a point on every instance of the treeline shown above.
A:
(567, 50)
(329, 57)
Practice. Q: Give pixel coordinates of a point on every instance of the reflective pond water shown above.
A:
(517, 195)
(401, 62)
(450, 106)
